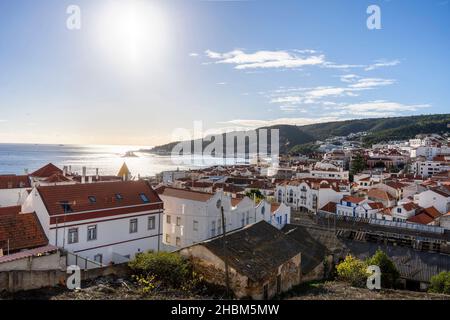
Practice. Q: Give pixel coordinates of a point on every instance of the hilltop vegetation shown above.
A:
(294, 139)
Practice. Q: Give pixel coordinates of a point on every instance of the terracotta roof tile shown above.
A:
(23, 230)
(12, 181)
(46, 171)
(106, 195)
(184, 194)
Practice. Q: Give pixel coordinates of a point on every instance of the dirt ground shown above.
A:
(113, 288)
(342, 291)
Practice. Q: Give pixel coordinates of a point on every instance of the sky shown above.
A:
(135, 70)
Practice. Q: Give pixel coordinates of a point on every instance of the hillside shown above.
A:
(378, 129)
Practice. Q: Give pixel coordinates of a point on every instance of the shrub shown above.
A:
(389, 272)
(353, 270)
(169, 268)
(440, 283)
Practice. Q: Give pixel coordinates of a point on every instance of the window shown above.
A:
(144, 198)
(263, 210)
(92, 199)
(66, 206)
(98, 258)
(243, 219)
(178, 242)
(178, 221)
(151, 223)
(119, 197)
(133, 225)
(167, 238)
(247, 218)
(92, 233)
(168, 220)
(195, 225)
(73, 235)
(399, 210)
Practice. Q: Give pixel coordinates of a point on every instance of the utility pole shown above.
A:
(224, 232)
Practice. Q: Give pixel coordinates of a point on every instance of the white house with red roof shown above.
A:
(311, 194)
(13, 189)
(194, 216)
(438, 197)
(106, 222)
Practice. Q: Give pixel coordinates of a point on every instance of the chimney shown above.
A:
(90, 179)
(26, 171)
(96, 174)
(65, 171)
(70, 169)
(83, 176)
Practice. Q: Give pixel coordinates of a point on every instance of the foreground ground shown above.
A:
(113, 288)
(341, 291)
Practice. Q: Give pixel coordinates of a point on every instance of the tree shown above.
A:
(169, 268)
(389, 272)
(358, 164)
(440, 283)
(353, 270)
(255, 194)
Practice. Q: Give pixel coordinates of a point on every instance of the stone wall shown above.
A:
(13, 281)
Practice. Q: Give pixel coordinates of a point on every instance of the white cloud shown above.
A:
(193, 54)
(291, 121)
(267, 59)
(380, 108)
(221, 83)
(369, 83)
(382, 63)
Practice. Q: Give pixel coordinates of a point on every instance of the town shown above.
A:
(259, 235)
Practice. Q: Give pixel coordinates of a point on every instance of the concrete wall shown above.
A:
(14, 281)
(45, 262)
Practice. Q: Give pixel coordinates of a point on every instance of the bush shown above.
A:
(440, 283)
(353, 270)
(169, 268)
(389, 272)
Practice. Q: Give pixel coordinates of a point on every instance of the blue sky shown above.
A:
(229, 64)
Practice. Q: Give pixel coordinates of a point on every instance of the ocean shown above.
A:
(16, 158)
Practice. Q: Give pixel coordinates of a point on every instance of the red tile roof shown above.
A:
(57, 177)
(12, 181)
(329, 207)
(77, 195)
(353, 199)
(376, 205)
(46, 171)
(184, 194)
(29, 253)
(432, 212)
(421, 218)
(23, 230)
(410, 206)
(274, 207)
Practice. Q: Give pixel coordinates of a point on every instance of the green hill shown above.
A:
(295, 138)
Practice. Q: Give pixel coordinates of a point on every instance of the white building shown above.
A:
(192, 216)
(13, 189)
(429, 168)
(104, 222)
(311, 194)
(436, 197)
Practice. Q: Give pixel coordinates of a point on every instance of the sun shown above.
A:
(132, 32)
